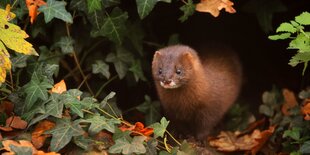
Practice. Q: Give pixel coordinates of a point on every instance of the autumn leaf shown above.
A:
(215, 6)
(59, 87)
(235, 141)
(16, 122)
(289, 101)
(6, 107)
(22, 147)
(37, 136)
(137, 129)
(305, 110)
(33, 6)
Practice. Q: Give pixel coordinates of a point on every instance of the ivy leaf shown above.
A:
(113, 26)
(54, 107)
(303, 19)
(99, 123)
(286, 27)
(66, 45)
(101, 67)
(93, 5)
(121, 60)
(136, 69)
(83, 142)
(281, 36)
(160, 128)
(151, 110)
(78, 5)
(125, 146)
(305, 147)
(19, 61)
(63, 133)
(56, 9)
(35, 90)
(146, 6)
(70, 100)
(135, 34)
(188, 9)
(294, 133)
(186, 149)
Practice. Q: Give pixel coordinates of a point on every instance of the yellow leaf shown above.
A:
(5, 63)
(215, 6)
(12, 36)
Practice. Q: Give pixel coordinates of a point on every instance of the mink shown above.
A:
(195, 92)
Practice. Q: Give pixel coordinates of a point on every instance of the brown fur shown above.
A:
(206, 88)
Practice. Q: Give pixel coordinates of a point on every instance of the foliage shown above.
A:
(295, 30)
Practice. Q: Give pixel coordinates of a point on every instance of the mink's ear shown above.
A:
(157, 54)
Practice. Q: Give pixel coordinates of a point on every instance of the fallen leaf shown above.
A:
(33, 6)
(137, 129)
(59, 87)
(289, 101)
(215, 6)
(16, 122)
(49, 153)
(233, 141)
(6, 128)
(37, 136)
(7, 107)
(305, 109)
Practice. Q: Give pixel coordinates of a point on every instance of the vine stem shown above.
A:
(173, 138)
(105, 84)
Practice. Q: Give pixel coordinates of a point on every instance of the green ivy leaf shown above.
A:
(151, 110)
(93, 5)
(303, 19)
(19, 61)
(63, 133)
(124, 146)
(54, 107)
(113, 26)
(83, 142)
(151, 147)
(78, 5)
(286, 27)
(36, 109)
(136, 69)
(281, 36)
(99, 123)
(135, 35)
(160, 128)
(101, 67)
(66, 45)
(305, 147)
(70, 100)
(146, 6)
(121, 60)
(35, 90)
(188, 9)
(294, 133)
(56, 9)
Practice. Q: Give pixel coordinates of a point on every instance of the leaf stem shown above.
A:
(173, 138)
(105, 84)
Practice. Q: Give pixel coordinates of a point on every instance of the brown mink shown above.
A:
(195, 93)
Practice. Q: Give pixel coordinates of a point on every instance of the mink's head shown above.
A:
(172, 67)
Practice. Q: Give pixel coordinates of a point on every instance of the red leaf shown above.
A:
(33, 6)
(37, 136)
(16, 122)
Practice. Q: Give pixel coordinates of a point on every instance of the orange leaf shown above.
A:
(305, 110)
(138, 129)
(33, 6)
(37, 137)
(289, 101)
(6, 128)
(49, 153)
(215, 6)
(264, 136)
(59, 87)
(16, 122)
(23, 143)
(7, 107)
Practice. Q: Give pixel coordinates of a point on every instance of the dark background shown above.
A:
(265, 62)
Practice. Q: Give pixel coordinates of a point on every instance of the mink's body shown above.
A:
(195, 93)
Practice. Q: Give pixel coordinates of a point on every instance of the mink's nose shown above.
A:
(166, 82)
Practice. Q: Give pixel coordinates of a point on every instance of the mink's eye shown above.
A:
(178, 71)
(160, 71)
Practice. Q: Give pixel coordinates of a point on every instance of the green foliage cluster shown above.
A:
(300, 38)
(89, 43)
(292, 132)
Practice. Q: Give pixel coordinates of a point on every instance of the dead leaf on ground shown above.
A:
(138, 129)
(59, 87)
(16, 122)
(7, 107)
(289, 101)
(234, 141)
(37, 136)
(305, 109)
(22, 143)
(215, 6)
